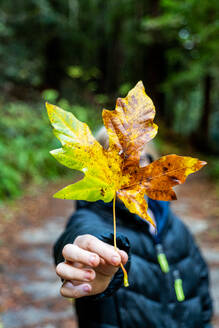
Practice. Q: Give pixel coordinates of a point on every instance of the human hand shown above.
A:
(89, 266)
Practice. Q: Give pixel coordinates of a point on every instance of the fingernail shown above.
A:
(87, 275)
(86, 289)
(68, 284)
(115, 260)
(93, 259)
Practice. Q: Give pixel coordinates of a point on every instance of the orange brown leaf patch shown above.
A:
(130, 126)
(159, 177)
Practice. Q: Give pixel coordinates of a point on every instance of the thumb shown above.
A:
(108, 269)
(124, 256)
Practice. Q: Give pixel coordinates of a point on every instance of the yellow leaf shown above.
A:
(117, 170)
(81, 152)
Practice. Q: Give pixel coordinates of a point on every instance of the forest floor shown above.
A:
(29, 287)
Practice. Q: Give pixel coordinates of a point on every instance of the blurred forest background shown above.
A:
(83, 54)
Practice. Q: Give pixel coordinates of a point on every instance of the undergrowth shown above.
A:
(25, 141)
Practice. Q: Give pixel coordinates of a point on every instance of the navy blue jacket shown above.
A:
(150, 301)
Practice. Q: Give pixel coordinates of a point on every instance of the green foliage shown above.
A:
(101, 99)
(75, 72)
(214, 168)
(189, 30)
(23, 153)
(25, 142)
(124, 88)
(50, 95)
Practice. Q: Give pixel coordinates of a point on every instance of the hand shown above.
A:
(89, 266)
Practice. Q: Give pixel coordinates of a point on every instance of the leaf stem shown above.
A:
(126, 283)
(114, 221)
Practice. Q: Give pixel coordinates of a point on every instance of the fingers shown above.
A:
(108, 269)
(70, 290)
(87, 252)
(73, 253)
(104, 250)
(68, 272)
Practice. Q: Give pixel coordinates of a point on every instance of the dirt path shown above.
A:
(29, 287)
(198, 206)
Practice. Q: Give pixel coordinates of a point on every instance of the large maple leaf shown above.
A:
(117, 171)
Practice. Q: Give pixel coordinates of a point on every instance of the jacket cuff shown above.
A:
(117, 281)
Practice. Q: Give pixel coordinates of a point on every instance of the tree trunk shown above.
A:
(102, 52)
(115, 54)
(154, 69)
(154, 63)
(201, 138)
(205, 118)
(53, 69)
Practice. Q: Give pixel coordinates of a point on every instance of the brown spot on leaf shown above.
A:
(102, 191)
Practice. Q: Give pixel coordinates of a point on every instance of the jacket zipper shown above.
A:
(161, 258)
(178, 286)
(164, 265)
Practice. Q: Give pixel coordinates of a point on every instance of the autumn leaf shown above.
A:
(116, 171)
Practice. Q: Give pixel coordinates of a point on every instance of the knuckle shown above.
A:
(79, 239)
(84, 239)
(66, 249)
(90, 242)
